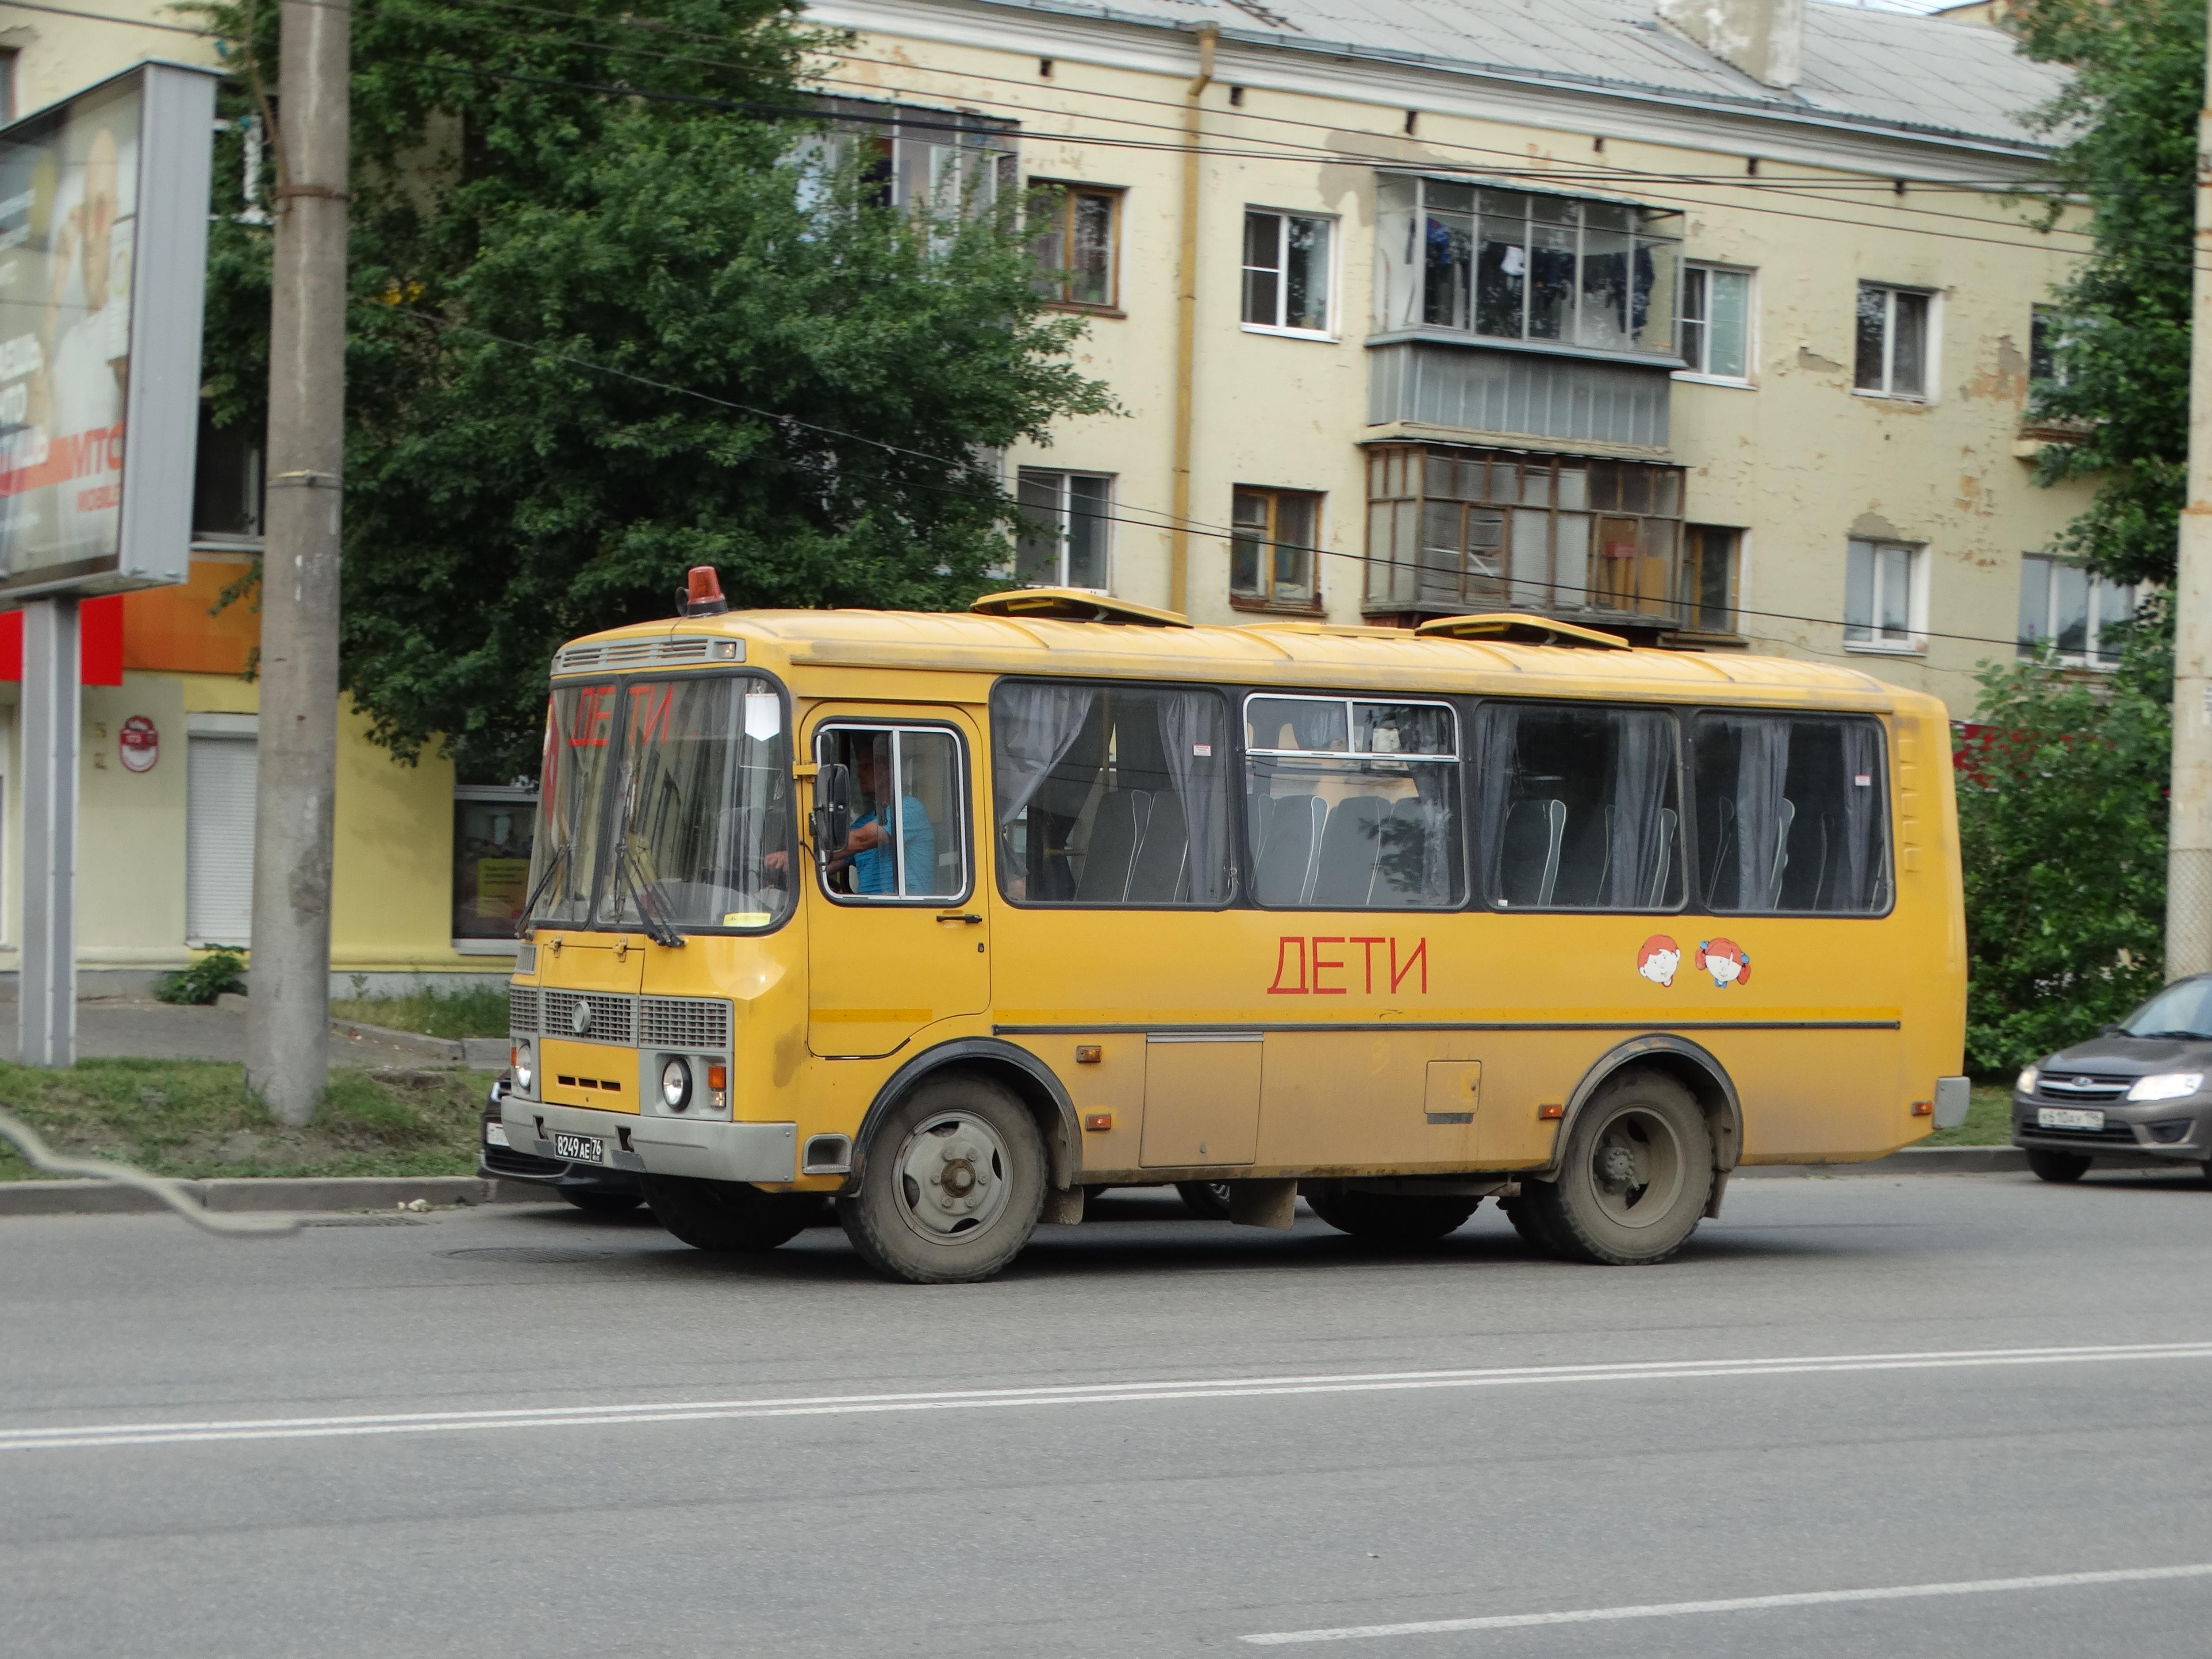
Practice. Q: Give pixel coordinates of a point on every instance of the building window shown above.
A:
(1273, 548)
(1064, 539)
(494, 829)
(1716, 322)
(917, 160)
(1884, 608)
(2066, 609)
(226, 482)
(1511, 265)
(1452, 530)
(1077, 250)
(1287, 271)
(1893, 340)
(1708, 558)
(2048, 340)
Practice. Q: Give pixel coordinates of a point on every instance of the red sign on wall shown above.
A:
(139, 744)
(100, 642)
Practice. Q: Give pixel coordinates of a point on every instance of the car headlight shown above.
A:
(2166, 1086)
(2029, 1079)
(525, 1065)
(676, 1086)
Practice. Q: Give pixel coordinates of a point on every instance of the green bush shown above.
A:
(2063, 831)
(220, 969)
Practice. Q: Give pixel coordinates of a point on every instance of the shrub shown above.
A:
(222, 968)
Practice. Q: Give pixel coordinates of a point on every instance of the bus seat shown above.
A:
(1351, 844)
(1401, 874)
(1723, 847)
(1654, 892)
(1529, 861)
(1585, 859)
(1809, 878)
(1285, 868)
(1156, 875)
(1785, 819)
(1114, 829)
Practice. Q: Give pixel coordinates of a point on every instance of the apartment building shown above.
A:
(1707, 320)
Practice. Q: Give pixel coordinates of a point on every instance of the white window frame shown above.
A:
(1931, 367)
(1060, 475)
(1913, 641)
(1697, 373)
(2087, 657)
(1334, 263)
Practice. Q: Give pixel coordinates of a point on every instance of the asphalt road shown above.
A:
(1152, 1485)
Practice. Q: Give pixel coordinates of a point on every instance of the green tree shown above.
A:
(596, 339)
(2062, 830)
(2127, 123)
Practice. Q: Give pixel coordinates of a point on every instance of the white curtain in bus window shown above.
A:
(906, 841)
(704, 838)
(1580, 808)
(1352, 805)
(1792, 814)
(1110, 795)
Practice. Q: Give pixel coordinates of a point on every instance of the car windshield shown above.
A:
(2179, 1011)
(699, 771)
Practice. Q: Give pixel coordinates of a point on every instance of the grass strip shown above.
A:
(476, 1012)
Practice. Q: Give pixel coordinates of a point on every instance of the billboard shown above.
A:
(103, 259)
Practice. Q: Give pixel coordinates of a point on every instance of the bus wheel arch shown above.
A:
(1681, 1061)
(1028, 1078)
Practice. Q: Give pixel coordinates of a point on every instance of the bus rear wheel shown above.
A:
(1636, 1176)
(1207, 1199)
(953, 1181)
(1388, 1218)
(727, 1215)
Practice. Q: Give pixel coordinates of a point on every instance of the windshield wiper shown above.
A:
(657, 927)
(2179, 1037)
(560, 862)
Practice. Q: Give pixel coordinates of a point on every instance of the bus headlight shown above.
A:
(676, 1086)
(525, 1065)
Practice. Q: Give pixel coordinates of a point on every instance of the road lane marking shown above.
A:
(1734, 1604)
(82, 1436)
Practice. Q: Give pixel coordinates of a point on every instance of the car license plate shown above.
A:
(587, 1148)
(2067, 1117)
(495, 1135)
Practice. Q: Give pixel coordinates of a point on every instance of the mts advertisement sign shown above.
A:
(103, 256)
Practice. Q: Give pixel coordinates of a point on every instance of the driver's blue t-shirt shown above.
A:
(873, 870)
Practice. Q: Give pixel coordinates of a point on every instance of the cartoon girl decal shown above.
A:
(1658, 959)
(1724, 959)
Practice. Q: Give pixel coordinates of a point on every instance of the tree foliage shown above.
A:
(2062, 831)
(597, 339)
(2128, 125)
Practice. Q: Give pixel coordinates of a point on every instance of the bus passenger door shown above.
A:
(898, 940)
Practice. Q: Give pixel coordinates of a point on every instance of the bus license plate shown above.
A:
(586, 1149)
(2067, 1117)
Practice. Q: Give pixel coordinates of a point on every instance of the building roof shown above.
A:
(1287, 654)
(1881, 69)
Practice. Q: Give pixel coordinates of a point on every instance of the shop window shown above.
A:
(1273, 549)
(1709, 563)
(1287, 271)
(494, 830)
(1580, 809)
(1453, 529)
(1078, 247)
(1792, 814)
(1065, 531)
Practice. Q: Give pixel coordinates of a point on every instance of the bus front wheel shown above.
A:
(1635, 1179)
(1417, 1219)
(951, 1184)
(727, 1215)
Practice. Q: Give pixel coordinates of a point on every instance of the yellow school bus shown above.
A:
(955, 917)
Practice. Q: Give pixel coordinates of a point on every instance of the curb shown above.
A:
(478, 1054)
(1944, 1160)
(268, 1193)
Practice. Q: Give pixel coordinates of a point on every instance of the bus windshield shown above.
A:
(694, 775)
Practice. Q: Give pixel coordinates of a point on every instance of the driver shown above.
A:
(867, 848)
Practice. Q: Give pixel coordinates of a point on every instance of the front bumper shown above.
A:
(498, 1159)
(651, 1145)
(2177, 1129)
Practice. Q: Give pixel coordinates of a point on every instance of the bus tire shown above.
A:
(2060, 1167)
(953, 1181)
(1636, 1176)
(598, 1201)
(1527, 1220)
(1207, 1199)
(1389, 1220)
(726, 1215)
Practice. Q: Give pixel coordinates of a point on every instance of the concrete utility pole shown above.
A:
(289, 1013)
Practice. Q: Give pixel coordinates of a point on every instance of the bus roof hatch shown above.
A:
(1074, 604)
(1519, 627)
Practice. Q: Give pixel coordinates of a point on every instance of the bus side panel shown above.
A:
(1362, 1097)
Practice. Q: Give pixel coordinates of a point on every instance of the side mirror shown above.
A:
(832, 817)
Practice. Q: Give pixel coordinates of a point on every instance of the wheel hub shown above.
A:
(1616, 1169)
(952, 1178)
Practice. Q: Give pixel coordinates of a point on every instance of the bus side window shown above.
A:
(906, 840)
(1110, 795)
(1580, 808)
(1792, 814)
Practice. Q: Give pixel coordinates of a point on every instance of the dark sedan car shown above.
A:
(586, 1186)
(2139, 1087)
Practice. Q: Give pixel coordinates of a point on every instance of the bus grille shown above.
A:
(694, 1022)
(522, 1007)
(610, 1016)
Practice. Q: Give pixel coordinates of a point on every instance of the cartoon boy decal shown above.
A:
(1724, 958)
(1658, 959)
